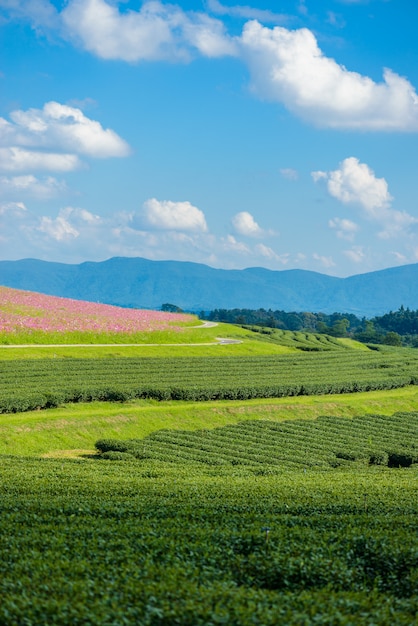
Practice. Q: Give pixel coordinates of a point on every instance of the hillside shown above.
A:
(35, 312)
(141, 283)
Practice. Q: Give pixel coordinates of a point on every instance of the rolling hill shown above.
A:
(141, 283)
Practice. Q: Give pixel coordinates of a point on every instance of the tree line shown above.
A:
(394, 328)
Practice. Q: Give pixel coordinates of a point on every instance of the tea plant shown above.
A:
(29, 384)
(324, 442)
(155, 544)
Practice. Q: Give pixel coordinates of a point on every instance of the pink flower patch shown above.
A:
(26, 311)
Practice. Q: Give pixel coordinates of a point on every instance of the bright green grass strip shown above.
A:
(351, 343)
(76, 427)
(247, 348)
(164, 343)
(206, 338)
(181, 335)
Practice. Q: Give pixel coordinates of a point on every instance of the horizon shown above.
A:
(211, 132)
(243, 269)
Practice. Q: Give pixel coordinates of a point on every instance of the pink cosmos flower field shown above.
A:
(25, 311)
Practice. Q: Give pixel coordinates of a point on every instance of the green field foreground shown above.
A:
(291, 510)
(154, 544)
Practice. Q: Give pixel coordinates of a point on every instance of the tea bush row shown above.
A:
(29, 384)
(86, 543)
(325, 442)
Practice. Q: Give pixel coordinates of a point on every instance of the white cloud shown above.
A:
(62, 127)
(15, 159)
(269, 253)
(356, 254)
(69, 224)
(30, 185)
(288, 67)
(244, 224)
(41, 13)
(51, 139)
(12, 207)
(289, 173)
(396, 223)
(156, 31)
(325, 261)
(208, 36)
(58, 228)
(168, 215)
(80, 217)
(355, 183)
(318, 176)
(346, 229)
(230, 243)
(105, 32)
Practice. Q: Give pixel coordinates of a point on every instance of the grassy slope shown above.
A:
(73, 429)
(76, 427)
(168, 344)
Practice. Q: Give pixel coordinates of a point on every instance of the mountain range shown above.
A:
(141, 283)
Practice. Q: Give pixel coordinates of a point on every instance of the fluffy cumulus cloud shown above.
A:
(63, 128)
(59, 228)
(156, 31)
(73, 234)
(51, 139)
(288, 66)
(355, 183)
(70, 235)
(68, 224)
(168, 215)
(16, 159)
(245, 224)
(55, 138)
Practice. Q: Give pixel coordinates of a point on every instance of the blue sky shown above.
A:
(273, 134)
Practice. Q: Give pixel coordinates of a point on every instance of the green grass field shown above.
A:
(72, 430)
(317, 532)
(167, 343)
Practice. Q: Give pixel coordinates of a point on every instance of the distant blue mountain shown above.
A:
(140, 283)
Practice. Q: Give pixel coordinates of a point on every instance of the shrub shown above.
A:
(111, 445)
(113, 455)
(378, 457)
